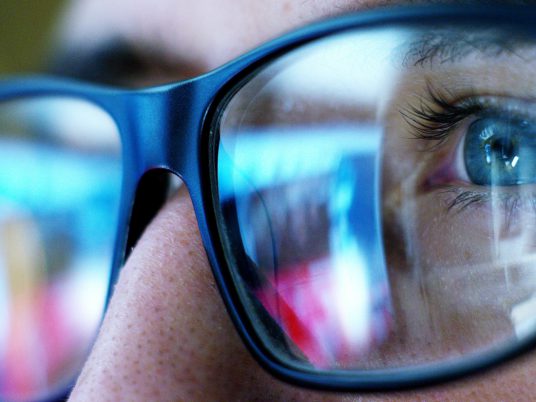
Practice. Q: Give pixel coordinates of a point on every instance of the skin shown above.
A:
(166, 335)
(480, 252)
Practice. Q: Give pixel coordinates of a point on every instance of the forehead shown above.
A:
(204, 33)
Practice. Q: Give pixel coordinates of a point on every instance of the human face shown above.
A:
(166, 335)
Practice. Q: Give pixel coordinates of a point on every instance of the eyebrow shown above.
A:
(115, 62)
(440, 46)
(110, 63)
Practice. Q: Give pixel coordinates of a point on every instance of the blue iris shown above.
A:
(500, 151)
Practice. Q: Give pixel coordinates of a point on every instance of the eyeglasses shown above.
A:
(364, 188)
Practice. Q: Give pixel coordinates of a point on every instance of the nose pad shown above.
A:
(154, 188)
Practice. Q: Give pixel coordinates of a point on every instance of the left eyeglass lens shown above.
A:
(60, 178)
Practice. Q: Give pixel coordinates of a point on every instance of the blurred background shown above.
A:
(26, 31)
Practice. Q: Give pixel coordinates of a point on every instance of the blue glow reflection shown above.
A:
(307, 207)
(60, 182)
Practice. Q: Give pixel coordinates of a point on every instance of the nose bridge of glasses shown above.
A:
(167, 124)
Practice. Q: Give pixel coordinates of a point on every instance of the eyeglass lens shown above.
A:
(377, 196)
(60, 178)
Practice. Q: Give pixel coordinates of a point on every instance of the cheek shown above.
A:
(461, 278)
(468, 267)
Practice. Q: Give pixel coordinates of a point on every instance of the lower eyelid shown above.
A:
(500, 201)
(457, 199)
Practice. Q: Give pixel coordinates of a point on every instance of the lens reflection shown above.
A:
(311, 224)
(357, 234)
(60, 173)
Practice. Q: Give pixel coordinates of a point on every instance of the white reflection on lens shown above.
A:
(352, 68)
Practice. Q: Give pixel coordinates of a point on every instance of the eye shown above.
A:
(500, 151)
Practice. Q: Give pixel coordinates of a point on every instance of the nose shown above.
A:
(166, 334)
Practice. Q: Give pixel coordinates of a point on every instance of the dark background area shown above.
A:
(26, 34)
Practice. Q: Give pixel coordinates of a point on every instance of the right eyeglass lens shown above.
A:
(60, 182)
(377, 197)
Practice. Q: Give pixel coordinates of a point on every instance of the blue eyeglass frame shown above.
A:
(174, 127)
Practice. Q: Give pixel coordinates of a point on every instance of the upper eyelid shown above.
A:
(439, 112)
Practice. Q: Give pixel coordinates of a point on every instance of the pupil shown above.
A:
(502, 149)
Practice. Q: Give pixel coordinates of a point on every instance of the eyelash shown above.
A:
(466, 198)
(436, 116)
(510, 203)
